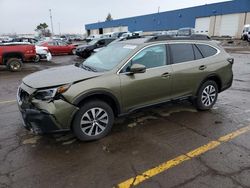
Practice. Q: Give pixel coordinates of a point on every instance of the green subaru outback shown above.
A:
(120, 79)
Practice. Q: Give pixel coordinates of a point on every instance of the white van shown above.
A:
(246, 32)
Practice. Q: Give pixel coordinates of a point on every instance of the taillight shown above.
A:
(230, 60)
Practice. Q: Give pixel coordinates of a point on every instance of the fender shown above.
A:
(213, 75)
(97, 92)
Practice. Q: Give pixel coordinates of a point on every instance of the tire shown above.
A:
(87, 128)
(37, 59)
(207, 95)
(14, 64)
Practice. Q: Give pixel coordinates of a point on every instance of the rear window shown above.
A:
(206, 50)
(197, 53)
(181, 53)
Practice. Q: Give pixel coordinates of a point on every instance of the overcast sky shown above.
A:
(22, 16)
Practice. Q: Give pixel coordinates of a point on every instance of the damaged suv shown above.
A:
(120, 79)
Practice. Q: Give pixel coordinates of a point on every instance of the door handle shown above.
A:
(202, 67)
(166, 75)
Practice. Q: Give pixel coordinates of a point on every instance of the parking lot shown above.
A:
(172, 145)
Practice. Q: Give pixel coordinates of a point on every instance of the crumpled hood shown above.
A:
(58, 76)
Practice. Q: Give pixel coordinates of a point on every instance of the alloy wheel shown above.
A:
(15, 65)
(208, 95)
(94, 121)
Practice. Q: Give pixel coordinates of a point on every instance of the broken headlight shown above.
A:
(48, 94)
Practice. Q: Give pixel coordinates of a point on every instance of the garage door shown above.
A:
(202, 25)
(229, 25)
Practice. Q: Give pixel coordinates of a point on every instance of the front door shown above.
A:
(153, 86)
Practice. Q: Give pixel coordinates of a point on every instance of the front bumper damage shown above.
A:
(43, 116)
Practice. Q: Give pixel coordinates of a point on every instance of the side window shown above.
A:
(150, 57)
(61, 43)
(197, 53)
(206, 50)
(181, 53)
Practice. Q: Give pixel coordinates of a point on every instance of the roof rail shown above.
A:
(169, 37)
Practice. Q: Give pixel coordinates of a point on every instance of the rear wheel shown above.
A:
(14, 64)
(93, 121)
(207, 95)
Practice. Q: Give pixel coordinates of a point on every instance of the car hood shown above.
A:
(85, 46)
(58, 76)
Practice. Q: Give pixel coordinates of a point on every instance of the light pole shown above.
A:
(51, 21)
(59, 26)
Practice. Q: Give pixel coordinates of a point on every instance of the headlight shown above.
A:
(48, 94)
(80, 49)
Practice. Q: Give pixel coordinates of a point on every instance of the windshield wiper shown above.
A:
(88, 68)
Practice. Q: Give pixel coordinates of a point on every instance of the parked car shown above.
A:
(85, 51)
(118, 34)
(246, 32)
(13, 55)
(185, 31)
(5, 39)
(118, 40)
(25, 39)
(92, 37)
(118, 80)
(42, 53)
(58, 47)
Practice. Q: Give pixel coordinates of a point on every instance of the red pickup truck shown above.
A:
(13, 55)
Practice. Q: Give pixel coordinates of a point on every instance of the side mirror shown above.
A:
(137, 68)
(249, 32)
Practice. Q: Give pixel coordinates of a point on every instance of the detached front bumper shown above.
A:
(38, 122)
(43, 116)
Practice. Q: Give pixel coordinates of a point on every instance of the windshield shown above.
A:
(93, 42)
(39, 43)
(108, 58)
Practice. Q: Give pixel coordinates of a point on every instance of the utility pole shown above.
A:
(159, 9)
(59, 25)
(51, 21)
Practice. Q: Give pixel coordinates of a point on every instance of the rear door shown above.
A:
(190, 67)
(53, 47)
(147, 88)
(63, 47)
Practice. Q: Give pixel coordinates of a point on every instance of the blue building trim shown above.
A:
(175, 19)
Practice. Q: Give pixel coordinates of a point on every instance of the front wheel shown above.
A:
(207, 95)
(93, 121)
(37, 59)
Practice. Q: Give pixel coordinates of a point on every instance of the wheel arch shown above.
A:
(213, 77)
(105, 96)
(10, 55)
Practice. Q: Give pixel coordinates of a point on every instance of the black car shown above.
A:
(85, 51)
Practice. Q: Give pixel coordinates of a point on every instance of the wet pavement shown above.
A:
(137, 142)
